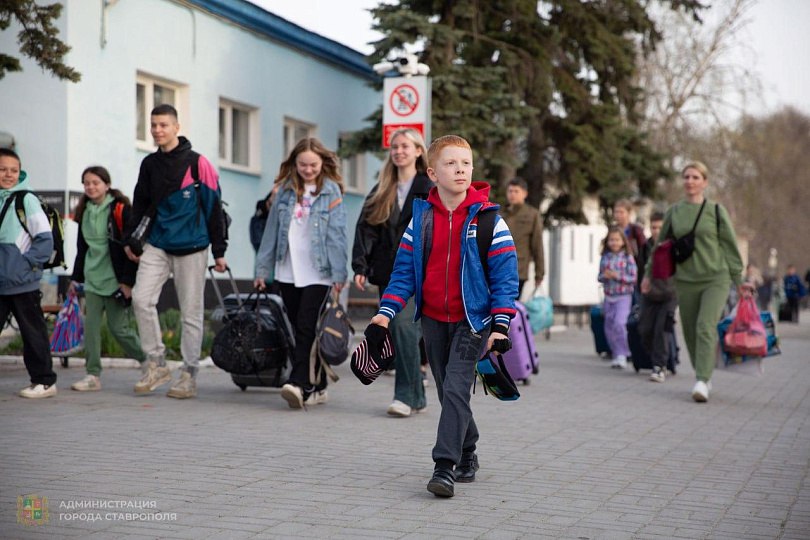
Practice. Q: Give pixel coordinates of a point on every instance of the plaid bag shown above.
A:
(68, 332)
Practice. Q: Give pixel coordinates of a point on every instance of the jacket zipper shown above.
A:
(447, 268)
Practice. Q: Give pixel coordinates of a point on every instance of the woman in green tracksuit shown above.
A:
(703, 280)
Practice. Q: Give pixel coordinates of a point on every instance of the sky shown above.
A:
(776, 40)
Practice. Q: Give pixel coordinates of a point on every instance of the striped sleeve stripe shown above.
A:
(394, 298)
(495, 252)
(502, 311)
(407, 236)
(387, 311)
(502, 238)
(405, 246)
(501, 319)
(335, 203)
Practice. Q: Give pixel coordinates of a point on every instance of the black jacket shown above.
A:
(124, 268)
(159, 189)
(375, 246)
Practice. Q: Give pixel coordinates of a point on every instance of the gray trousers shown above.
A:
(452, 351)
(189, 280)
(655, 326)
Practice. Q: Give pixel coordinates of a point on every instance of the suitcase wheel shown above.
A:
(242, 387)
(535, 370)
(527, 382)
(64, 361)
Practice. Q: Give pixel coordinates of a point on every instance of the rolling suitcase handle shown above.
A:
(219, 293)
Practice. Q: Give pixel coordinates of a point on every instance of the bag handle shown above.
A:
(218, 292)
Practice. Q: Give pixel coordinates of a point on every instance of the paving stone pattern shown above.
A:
(586, 453)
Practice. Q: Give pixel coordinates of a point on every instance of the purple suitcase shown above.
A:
(522, 359)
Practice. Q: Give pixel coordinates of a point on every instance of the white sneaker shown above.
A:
(397, 408)
(318, 397)
(37, 391)
(293, 395)
(658, 375)
(91, 383)
(700, 392)
(620, 362)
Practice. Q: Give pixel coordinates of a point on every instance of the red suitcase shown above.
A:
(522, 360)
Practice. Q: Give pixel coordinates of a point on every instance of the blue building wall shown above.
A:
(216, 49)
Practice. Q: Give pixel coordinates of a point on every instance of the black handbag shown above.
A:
(495, 378)
(683, 247)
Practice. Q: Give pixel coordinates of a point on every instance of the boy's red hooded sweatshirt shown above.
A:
(441, 291)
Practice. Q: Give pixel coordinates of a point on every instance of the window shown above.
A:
(149, 93)
(353, 169)
(238, 136)
(294, 131)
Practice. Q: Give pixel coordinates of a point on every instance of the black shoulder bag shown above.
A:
(683, 247)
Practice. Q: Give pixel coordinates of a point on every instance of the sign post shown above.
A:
(406, 105)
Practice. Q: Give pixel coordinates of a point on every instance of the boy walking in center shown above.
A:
(176, 216)
(465, 309)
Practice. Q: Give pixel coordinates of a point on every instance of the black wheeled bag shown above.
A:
(256, 343)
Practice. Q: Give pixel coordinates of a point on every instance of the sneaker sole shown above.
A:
(397, 414)
(292, 399)
(700, 398)
(85, 389)
(39, 396)
(155, 385)
(179, 395)
(440, 490)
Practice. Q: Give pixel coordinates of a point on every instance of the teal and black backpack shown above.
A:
(57, 257)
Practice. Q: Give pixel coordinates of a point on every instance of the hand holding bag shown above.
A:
(746, 335)
(495, 378)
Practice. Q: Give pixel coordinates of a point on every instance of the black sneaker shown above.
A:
(465, 472)
(442, 484)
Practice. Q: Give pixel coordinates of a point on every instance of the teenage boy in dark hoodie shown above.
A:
(464, 310)
(176, 215)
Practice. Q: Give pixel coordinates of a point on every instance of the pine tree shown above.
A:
(37, 39)
(544, 89)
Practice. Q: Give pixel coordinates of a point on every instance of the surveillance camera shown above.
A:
(382, 67)
(407, 65)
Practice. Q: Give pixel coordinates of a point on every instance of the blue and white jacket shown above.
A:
(485, 301)
(21, 255)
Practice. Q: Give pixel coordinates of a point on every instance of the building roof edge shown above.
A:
(257, 19)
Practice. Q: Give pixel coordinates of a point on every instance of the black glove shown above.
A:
(501, 345)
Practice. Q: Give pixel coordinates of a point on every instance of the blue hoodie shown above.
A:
(21, 255)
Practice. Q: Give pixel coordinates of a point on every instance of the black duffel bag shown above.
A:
(255, 338)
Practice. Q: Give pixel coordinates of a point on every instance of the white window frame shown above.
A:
(289, 140)
(353, 169)
(254, 163)
(181, 104)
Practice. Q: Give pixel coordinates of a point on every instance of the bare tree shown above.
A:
(693, 84)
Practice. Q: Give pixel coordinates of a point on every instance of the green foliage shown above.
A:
(38, 38)
(542, 89)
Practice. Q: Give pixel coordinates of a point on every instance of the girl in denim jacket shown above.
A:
(617, 273)
(304, 252)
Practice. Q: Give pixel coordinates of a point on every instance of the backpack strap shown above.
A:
(6, 206)
(486, 230)
(717, 217)
(118, 216)
(19, 207)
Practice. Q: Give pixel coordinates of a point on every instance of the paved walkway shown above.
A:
(586, 453)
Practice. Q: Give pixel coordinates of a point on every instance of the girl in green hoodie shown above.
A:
(104, 269)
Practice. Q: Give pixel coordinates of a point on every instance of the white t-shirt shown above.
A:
(402, 192)
(297, 267)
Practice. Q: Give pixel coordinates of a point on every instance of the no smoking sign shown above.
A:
(404, 100)
(406, 104)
